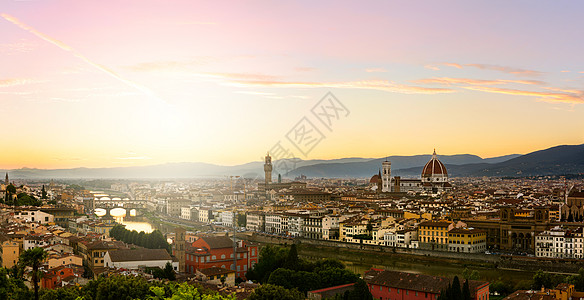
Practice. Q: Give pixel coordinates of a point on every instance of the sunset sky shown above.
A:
(120, 83)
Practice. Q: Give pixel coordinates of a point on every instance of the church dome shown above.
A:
(434, 167)
(374, 179)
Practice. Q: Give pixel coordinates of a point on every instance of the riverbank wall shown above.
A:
(523, 263)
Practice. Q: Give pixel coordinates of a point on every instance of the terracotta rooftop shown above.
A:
(414, 282)
(139, 255)
(218, 242)
(212, 271)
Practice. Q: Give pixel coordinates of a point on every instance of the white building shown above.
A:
(185, 212)
(273, 223)
(226, 218)
(134, 259)
(32, 241)
(34, 216)
(295, 222)
(255, 221)
(204, 213)
(560, 243)
(330, 226)
(405, 238)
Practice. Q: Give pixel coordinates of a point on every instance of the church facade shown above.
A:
(434, 179)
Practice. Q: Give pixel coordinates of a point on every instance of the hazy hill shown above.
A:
(567, 159)
(409, 166)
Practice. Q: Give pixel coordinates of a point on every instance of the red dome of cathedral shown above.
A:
(434, 167)
(374, 179)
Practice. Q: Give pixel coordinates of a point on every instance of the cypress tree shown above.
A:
(456, 292)
(292, 259)
(466, 291)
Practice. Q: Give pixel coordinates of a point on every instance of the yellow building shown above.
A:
(64, 260)
(94, 252)
(10, 253)
(213, 275)
(349, 229)
(467, 240)
(433, 235)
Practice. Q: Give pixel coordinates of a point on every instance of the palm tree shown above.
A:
(33, 258)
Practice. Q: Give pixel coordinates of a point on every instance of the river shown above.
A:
(119, 214)
(360, 263)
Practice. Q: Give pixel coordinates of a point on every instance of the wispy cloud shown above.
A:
(170, 65)
(134, 158)
(574, 96)
(375, 70)
(454, 65)
(467, 81)
(195, 23)
(244, 76)
(14, 82)
(381, 85)
(255, 93)
(508, 70)
(21, 46)
(504, 69)
(68, 48)
(305, 69)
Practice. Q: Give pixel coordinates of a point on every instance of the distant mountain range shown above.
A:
(567, 159)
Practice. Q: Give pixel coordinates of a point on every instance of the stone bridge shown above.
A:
(108, 204)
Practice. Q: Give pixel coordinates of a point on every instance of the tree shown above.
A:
(360, 291)
(274, 292)
(241, 220)
(61, 294)
(468, 274)
(44, 193)
(456, 292)
(369, 227)
(466, 291)
(504, 288)
(292, 259)
(169, 272)
(33, 258)
(12, 287)
(547, 280)
(270, 259)
(577, 280)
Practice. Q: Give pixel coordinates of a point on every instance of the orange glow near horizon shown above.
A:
(201, 82)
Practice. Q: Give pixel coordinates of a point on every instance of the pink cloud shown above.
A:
(576, 97)
(467, 81)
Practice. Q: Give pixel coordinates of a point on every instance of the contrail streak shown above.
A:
(66, 47)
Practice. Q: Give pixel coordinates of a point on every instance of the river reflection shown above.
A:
(138, 226)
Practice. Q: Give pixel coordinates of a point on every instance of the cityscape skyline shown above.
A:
(201, 82)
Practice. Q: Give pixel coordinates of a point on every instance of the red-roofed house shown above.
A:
(209, 252)
(385, 284)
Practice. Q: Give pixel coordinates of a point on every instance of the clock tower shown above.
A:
(268, 169)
